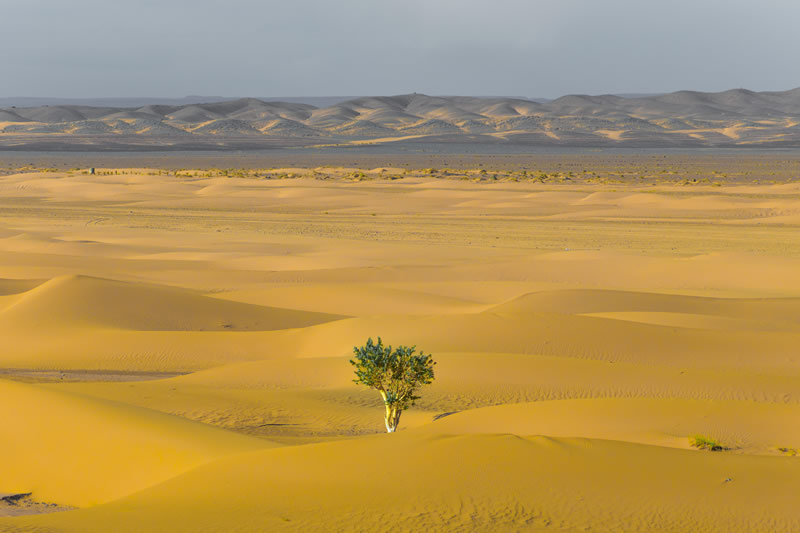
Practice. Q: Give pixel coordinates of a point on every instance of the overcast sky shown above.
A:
(534, 48)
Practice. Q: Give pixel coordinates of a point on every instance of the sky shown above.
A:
(529, 48)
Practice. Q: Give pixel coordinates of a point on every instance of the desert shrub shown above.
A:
(396, 374)
(702, 442)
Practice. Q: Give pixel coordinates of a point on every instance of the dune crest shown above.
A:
(84, 301)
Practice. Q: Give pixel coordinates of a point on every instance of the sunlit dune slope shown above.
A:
(577, 301)
(285, 398)
(691, 340)
(409, 482)
(94, 323)
(355, 299)
(703, 274)
(76, 450)
(748, 427)
(315, 397)
(558, 334)
(81, 301)
(128, 350)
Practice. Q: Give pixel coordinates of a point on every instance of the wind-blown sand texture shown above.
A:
(734, 118)
(175, 351)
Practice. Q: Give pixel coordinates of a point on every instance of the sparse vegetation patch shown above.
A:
(702, 442)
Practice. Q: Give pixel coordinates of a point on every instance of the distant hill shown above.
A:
(731, 118)
(33, 101)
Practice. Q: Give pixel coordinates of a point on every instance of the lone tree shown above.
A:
(395, 374)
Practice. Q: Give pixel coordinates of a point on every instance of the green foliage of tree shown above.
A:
(396, 374)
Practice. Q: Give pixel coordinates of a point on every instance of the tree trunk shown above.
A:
(392, 418)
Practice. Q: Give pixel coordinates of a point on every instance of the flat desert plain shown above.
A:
(175, 350)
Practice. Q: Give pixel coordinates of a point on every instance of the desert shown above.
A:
(736, 118)
(615, 335)
(405, 267)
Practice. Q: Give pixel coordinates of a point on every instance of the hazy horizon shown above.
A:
(311, 48)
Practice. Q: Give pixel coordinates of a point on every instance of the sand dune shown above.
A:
(550, 334)
(746, 427)
(533, 484)
(307, 398)
(682, 119)
(80, 301)
(775, 311)
(193, 114)
(354, 299)
(79, 451)
(226, 126)
(688, 320)
(176, 345)
(16, 286)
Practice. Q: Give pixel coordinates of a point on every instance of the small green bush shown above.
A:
(705, 443)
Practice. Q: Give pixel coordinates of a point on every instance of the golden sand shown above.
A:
(583, 332)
